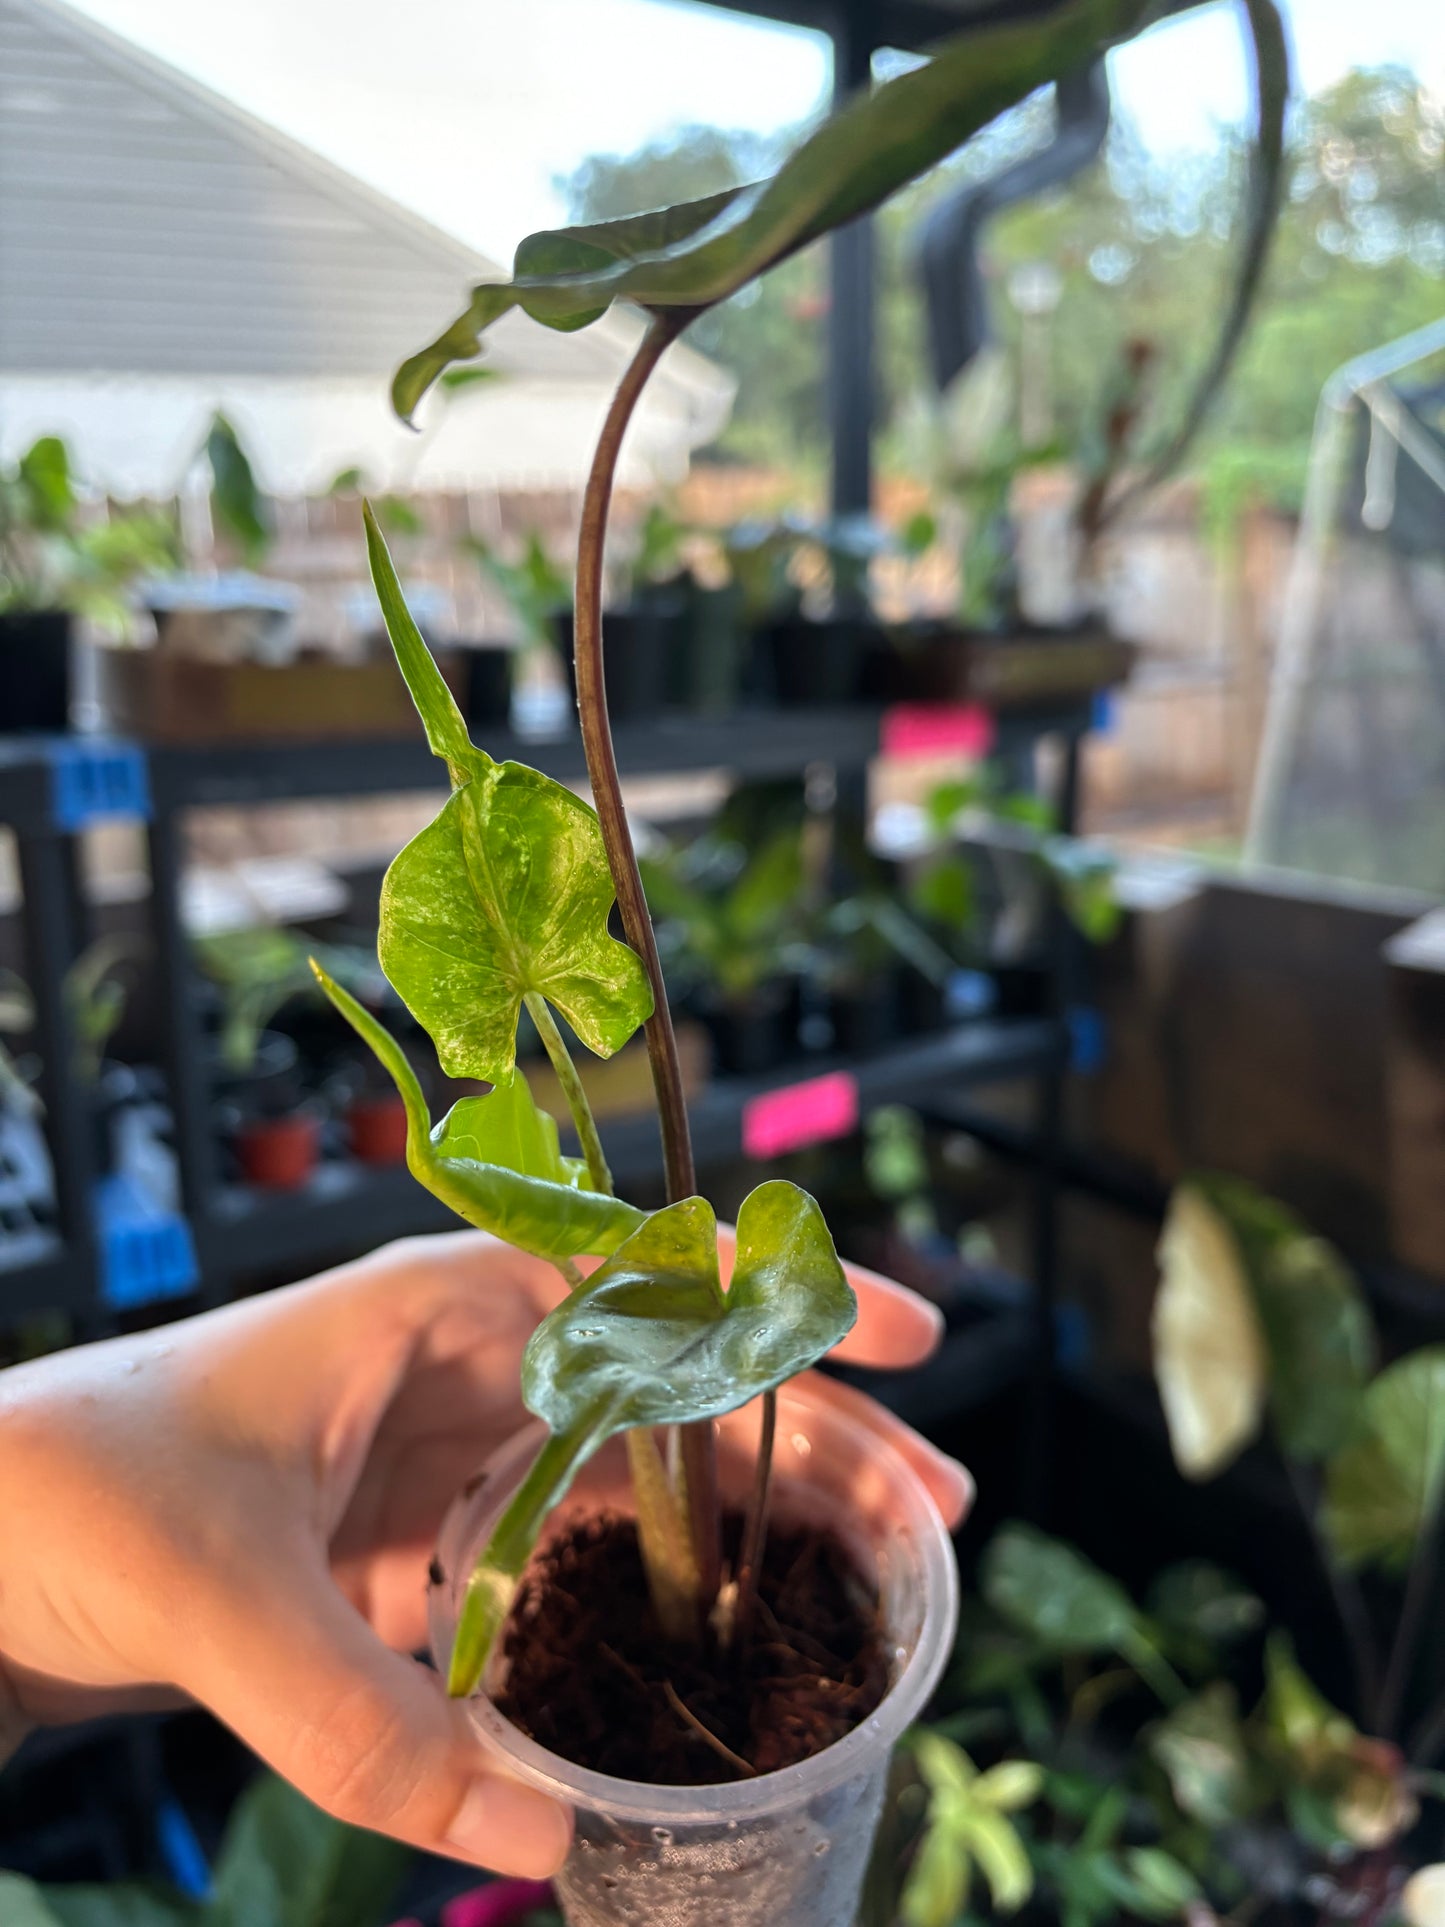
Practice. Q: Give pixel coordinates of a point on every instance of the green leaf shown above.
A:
(1167, 1881)
(1047, 1589)
(541, 1203)
(1199, 1598)
(508, 891)
(237, 506)
(285, 1863)
(1000, 1855)
(25, 1903)
(1317, 1329)
(699, 253)
(945, 1767)
(446, 731)
(1013, 1784)
(1209, 1353)
(936, 1887)
(1299, 1716)
(44, 474)
(652, 1339)
(1383, 1486)
(507, 1128)
(1201, 1747)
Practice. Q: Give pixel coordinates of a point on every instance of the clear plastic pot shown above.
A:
(787, 1849)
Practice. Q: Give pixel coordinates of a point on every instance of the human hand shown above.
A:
(240, 1510)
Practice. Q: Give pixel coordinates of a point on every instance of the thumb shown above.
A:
(365, 1733)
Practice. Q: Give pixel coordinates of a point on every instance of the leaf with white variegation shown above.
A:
(495, 1160)
(652, 1339)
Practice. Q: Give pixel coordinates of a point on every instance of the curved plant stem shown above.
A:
(755, 1528)
(602, 759)
(1354, 1614)
(699, 1455)
(571, 1083)
(1419, 1588)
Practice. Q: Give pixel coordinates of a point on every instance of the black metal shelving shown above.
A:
(243, 1237)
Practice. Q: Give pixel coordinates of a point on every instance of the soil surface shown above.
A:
(591, 1677)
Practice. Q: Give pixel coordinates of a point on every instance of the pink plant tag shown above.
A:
(502, 1904)
(807, 1113)
(937, 729)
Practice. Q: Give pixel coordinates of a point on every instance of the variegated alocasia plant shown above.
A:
(503, 901)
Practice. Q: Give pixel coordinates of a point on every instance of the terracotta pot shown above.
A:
(278, 1153)
(376, 1130)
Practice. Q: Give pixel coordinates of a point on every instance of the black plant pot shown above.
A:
(489, 685)
(640, 643)
(923, 1006)
(707, 672)
(868, 1016)
(35, 670)
(751, 1039)
(817, 663)
(1021, 989)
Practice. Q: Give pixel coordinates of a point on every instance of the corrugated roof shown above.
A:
(155, 236)
(148, 224)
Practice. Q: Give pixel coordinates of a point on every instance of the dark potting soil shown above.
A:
(591, 1677)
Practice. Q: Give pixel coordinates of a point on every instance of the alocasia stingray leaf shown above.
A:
(507, 891)
(541, 1204)
(653, 1339)
(698, 253)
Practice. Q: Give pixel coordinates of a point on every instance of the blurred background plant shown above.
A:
(61, 552)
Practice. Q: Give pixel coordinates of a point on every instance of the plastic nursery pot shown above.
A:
(376, 1130)
(278, 1153)
(35, 670)
(818, 662)
(788, 1847)
(752, 1037)
(489, 684)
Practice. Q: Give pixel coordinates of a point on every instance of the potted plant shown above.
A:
(539, 595)
(59, 561)
(1172, 1759)
(273, 1129)
(649, 632)
(695, 1801)
(732, 931)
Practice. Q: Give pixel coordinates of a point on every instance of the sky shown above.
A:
(471, 115)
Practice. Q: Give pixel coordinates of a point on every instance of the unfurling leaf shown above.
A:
(1385, 1484)
(1209, 1354)
(541, 1203)
(652, 1339)
(701, 252)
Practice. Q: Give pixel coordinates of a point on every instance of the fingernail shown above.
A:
(955, 1487)
(510, 1829)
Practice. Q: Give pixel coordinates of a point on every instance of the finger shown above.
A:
(896, 1328)
(950, 1483)
(363, 1732)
